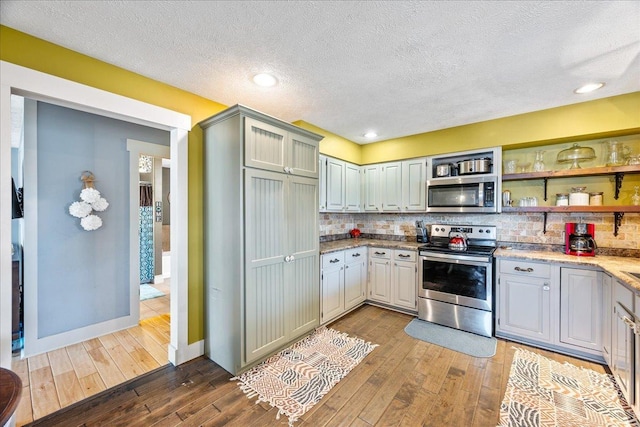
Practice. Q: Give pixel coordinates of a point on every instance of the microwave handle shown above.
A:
(481, 195)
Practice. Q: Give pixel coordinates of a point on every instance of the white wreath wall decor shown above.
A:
(90, 201)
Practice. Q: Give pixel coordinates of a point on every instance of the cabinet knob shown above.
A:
(346, 266)
(404, 256)
(379, 253)
(287, 258)
(355, 255)
(545, 288)
(525, 270)
(332, 261)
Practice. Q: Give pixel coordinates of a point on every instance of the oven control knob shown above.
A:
(481, 230)
(487, 231)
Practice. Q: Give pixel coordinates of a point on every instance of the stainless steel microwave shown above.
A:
(473, 194)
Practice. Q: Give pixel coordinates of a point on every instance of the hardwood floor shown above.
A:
(403, 382)
(59, 378)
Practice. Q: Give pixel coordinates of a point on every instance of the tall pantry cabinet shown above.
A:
(260, 235)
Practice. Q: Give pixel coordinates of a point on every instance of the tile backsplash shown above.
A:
(512, 227)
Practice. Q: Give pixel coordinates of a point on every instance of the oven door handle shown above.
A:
(457, 259)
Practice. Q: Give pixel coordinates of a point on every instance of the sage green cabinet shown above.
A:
(343, 186)
(524, 300)
(395, 186)
(414, 179)
(352, 187)
(332, 285)
(355, 277)
(607, 313)
(391, 187)
(553, 306)
(261, 266)
(581, 308)
(343, 282)
(371, 188)
(393, 278)
(623, 339)
(272, 147)
(322, 183)
(380, 275)
(404, 286)
(336, 191)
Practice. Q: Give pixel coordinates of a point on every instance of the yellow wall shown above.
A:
(614, 116)
(617, 115)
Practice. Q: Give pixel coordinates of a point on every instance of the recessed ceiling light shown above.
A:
(265, 80)
(589, 88)
(370, 134)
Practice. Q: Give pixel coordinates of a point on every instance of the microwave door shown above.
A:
(460, 195)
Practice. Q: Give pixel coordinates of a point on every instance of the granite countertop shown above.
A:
(340, 245)
(614, 265)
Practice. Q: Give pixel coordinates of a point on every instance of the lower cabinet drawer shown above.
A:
(525, 268)
(380, 253)
(355, 254)
(333, 260)
(404, 255)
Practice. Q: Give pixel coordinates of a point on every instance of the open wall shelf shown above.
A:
(617, 171)
(618, 212)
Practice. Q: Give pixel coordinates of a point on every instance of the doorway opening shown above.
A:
(154, 232)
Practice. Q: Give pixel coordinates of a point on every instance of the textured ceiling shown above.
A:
(399, 68)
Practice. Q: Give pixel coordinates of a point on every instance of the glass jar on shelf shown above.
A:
(596, 198)
(578, 197)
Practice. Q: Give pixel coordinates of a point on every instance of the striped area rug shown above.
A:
(296, 378)
(545, 393)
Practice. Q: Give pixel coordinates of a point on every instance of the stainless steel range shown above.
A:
(456, 277)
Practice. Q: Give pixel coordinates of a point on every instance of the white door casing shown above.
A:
(15, 79)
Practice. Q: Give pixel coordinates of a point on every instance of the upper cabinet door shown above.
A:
(414, 175)
(272, 148)
(265, 146)
(323, 183)
(371, 188)
(303, 156)
(335, 185)
(352, 187)
(391, 186)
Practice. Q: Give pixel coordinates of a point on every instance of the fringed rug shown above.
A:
(545, 393)
(296, 378)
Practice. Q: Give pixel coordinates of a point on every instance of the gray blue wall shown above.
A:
(83, 276)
